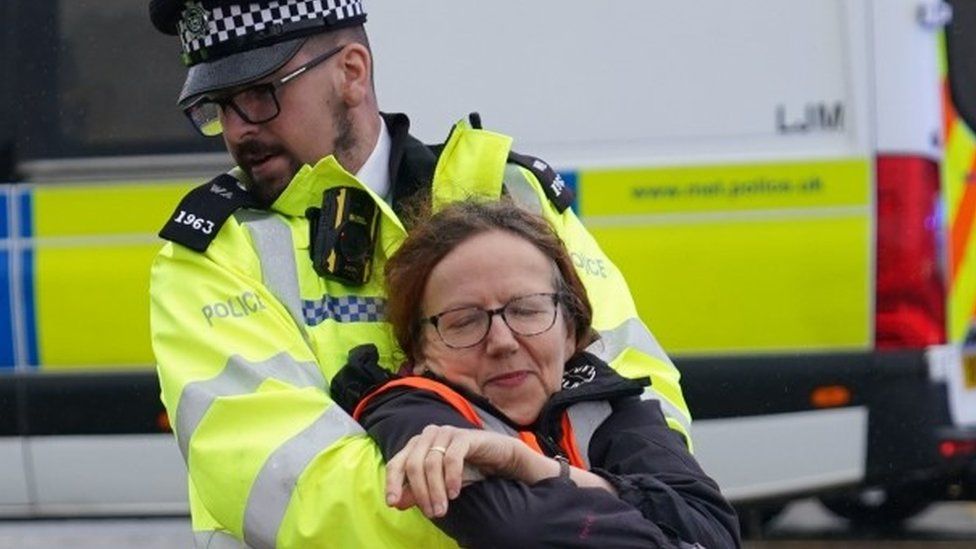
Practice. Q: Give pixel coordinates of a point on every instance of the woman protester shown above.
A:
(505, 432)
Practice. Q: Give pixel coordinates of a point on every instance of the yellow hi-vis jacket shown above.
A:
(247, 336)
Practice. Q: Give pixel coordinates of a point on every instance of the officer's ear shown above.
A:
(355, 72)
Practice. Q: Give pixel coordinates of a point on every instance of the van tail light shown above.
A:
(910, 298)
(957, 448)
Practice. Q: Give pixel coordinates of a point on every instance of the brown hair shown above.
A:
(432, 237)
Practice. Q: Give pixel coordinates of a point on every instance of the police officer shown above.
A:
(269, 278)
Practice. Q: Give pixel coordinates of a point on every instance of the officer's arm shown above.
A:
(271, 459)
(626, 343)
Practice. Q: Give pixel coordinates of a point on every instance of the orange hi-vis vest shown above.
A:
(481, 418)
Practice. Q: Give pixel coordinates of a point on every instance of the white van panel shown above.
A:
(13, 478)
(108, 474)
(909, 108)
(631, 82)
(783, 454)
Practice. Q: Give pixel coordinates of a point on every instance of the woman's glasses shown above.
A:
(526, 315)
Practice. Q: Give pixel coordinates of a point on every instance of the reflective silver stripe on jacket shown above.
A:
(586, 418)
(216, 539)
(633, 334)
(276, 251)
(520, 189)
(630, 334)
(273, 487)
(239, 377)
(669, 410)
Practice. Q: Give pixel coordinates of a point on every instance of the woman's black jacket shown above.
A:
(664, 498)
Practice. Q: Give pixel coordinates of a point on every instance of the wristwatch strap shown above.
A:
(563, 467)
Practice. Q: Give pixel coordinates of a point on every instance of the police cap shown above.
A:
(227, 43)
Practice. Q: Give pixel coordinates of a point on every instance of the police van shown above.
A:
(787, 187)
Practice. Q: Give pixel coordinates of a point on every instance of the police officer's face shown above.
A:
(516, 373)
(312, 123)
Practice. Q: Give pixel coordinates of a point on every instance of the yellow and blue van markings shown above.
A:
(18, 343)
(76, 259)
(25, 219)
(6, 303)
(78, 256)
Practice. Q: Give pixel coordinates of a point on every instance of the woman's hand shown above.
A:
(430, 470)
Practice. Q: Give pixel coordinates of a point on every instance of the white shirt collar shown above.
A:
(375, 173)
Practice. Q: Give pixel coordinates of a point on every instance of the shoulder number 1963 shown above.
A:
(198, 223)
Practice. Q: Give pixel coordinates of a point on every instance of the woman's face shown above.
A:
(517, 374)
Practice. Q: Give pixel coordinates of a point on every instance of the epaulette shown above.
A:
(553, 185)
(204, 210)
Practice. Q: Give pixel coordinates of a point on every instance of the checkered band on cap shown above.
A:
(344, 309)
(211, 32)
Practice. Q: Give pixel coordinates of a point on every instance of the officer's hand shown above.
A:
(360, 375)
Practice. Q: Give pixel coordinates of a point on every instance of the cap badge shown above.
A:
(195, 21)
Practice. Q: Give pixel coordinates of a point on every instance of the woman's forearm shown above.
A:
(532, 467)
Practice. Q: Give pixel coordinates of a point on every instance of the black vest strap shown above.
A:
(553, 185)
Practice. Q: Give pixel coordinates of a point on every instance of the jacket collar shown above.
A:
(412, 163)
(411, 168)
(586, 377)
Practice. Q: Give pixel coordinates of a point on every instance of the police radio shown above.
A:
(342, 233)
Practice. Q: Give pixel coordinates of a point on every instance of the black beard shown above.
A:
(265, 192)
(345, 139)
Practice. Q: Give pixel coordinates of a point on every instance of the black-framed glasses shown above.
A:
(255, 104)
(526, 315)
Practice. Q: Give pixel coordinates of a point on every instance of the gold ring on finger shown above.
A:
(440, 449)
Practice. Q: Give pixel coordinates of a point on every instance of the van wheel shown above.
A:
(881, 505)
